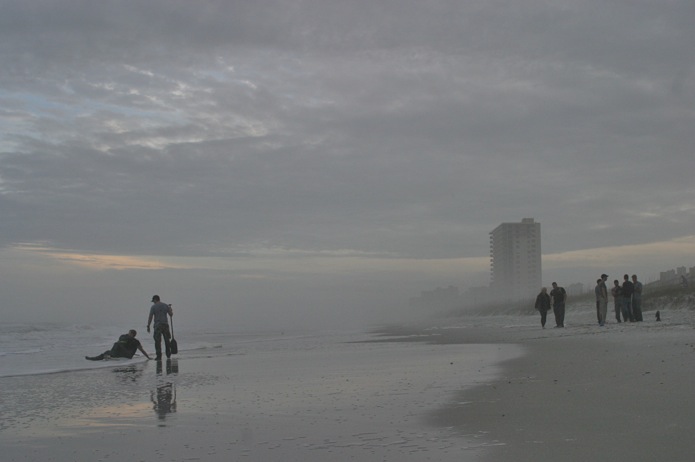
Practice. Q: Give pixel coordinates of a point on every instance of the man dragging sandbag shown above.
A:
(125, 347)
(158, 313)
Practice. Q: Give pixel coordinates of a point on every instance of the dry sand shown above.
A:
(623, 392)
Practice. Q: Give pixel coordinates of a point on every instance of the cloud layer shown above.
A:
(355, 133)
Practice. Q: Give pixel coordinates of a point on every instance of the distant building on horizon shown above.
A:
(515, 260)
(676, 276)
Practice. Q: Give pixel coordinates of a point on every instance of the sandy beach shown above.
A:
(621, 392)
(479, 389)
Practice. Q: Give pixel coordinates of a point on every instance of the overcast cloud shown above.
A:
(285, 162)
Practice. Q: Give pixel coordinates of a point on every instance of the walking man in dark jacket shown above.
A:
(559, 297)
(543, 305)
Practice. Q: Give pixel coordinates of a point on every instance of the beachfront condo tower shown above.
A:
(515, 260)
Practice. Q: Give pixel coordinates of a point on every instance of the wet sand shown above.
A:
(331, 402)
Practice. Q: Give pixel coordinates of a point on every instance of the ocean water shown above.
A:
(48, 348)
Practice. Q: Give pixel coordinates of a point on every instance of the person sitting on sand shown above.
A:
(125, 347)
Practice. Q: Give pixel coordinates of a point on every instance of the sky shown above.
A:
(300, 163)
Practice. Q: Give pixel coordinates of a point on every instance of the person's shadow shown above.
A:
(164, 396)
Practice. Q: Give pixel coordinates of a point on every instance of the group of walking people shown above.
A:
(557, 299)
(127, 344)
(627, 300)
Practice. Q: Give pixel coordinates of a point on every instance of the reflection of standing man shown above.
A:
(628, 289)
(164, 397)
(158, 313)
(164, 400)
(559, 297)
(637, 299)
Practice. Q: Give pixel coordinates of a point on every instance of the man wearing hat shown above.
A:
(158, 313)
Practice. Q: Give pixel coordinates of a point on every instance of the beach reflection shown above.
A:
(130, 373)
(164, 396)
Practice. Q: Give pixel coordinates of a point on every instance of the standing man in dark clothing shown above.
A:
(559, 297)
(617, 293)
(601, 301)
(159, 312)
(637, 299)
(628, 289)
(543, 305)
(597, 292)
(604, 290)
(125, 347)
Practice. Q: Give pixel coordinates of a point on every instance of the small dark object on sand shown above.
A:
(658, 315)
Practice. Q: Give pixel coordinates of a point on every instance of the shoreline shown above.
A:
(307, 399)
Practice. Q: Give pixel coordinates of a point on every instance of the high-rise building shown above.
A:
(515, 260)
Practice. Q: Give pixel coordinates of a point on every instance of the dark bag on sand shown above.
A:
(173, 345)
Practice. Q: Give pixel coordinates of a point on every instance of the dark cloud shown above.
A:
(400, 129)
